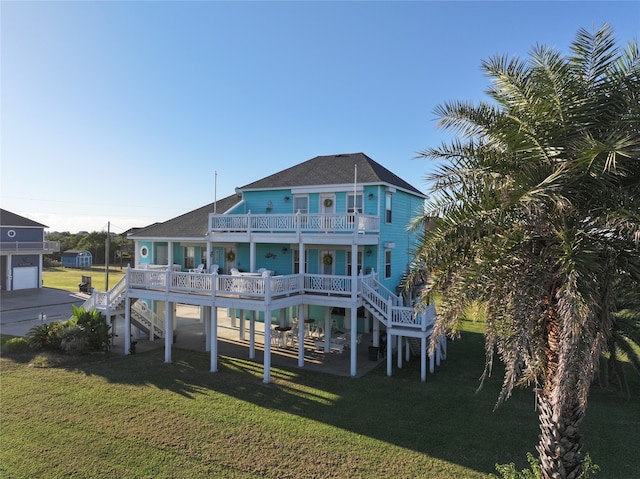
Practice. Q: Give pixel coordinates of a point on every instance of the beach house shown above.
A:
(315, 250)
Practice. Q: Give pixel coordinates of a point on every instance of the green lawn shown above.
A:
(69, 278)
(105, 416)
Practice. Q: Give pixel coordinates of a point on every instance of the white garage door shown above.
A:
(24, 278)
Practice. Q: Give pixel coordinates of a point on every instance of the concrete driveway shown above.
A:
(20, 310)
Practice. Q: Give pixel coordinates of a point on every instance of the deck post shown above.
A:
(423, 358)
(354, 341)
(301, 332)
(431, 362)
(205, 317)
(252, 256)
(267, 329)
(389, 353)
(400, 341)
(213, 333)
(327, 329)
(168, 332)
(376, 330)
(252, 334)
(353, 327)
(127, 323)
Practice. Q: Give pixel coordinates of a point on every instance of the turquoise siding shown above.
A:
(149, 246)
(404, 209)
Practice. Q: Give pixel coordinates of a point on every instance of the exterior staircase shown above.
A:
(112, 301)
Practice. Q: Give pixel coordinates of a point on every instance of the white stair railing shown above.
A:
(107, 299)
(147, 320)
(387, 308)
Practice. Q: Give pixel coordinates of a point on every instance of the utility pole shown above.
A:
(106, 257)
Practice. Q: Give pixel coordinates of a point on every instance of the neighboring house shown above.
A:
(325, 242)
(22, 247)
(76, 259)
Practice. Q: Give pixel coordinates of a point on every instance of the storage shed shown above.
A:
(77, 259)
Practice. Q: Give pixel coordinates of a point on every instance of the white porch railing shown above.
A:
(248, 286)
(321, 283)
(298, 222)
(22, 246)
(378, 299)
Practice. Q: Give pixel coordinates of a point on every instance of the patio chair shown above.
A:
(199, 269)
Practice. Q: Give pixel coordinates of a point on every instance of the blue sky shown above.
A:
(121, 112)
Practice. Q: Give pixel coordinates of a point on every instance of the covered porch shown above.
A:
(190, 334)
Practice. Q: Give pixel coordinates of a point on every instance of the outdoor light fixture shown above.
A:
(284, 250)
(370, 196)
(368, 252)
(286, 198)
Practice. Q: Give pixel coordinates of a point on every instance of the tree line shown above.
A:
(120, 248)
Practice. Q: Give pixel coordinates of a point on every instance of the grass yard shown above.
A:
(105, 416)
(69, 278)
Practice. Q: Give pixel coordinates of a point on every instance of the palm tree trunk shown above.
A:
(560, 444)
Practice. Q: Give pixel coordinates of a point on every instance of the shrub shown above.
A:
(74, 340)
(96, 327)
(509, 471)
(44, 336)
(16, 345)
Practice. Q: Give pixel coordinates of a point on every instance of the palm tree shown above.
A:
(624, 341)
(538, 206)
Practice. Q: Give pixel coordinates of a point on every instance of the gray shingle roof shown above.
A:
(331, 170)
(321, 170)
(7, 218)
(193, 224)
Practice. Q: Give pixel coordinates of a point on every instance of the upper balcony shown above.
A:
(294, 224)
(29, 247)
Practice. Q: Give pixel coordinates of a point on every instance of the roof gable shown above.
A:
(7, 218)
(193, 224)
(332, 170)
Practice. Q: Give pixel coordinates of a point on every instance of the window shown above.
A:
(387, 207)
(296, 262)
(189, 257)
(350, 203)
(387, 263)
(144, 251)
(301, 203)
(359, 267)
(11, 233)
